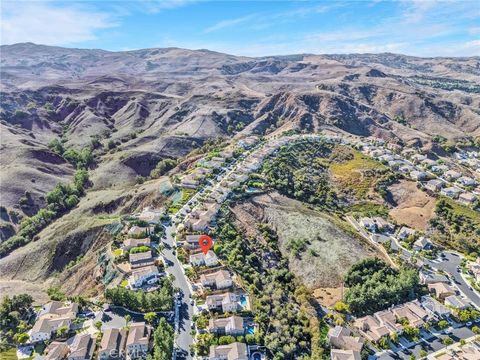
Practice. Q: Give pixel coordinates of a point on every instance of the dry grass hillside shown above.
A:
(320, 248)
(158, 103)
(136, 108)
(412, 207)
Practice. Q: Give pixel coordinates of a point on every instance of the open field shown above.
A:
(328, 296)
(320, 248)
(412, 206)
(355, 171)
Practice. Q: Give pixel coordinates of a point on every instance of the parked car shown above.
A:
(469, 323)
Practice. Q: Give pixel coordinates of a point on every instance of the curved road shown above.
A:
(449, 265)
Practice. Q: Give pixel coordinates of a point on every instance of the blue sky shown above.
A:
(250, 28)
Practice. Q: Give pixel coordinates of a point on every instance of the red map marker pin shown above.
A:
(205, 243)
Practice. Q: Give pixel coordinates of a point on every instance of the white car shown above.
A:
(448, 330)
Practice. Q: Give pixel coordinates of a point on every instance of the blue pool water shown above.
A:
(250, 329)
(243, 301)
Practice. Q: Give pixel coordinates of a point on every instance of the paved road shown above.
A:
(184, 339)
(449, 265)
(433, 344)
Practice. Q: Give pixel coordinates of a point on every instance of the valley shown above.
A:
(336, 189)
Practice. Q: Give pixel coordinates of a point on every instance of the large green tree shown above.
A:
(374, 286)
(163, 341)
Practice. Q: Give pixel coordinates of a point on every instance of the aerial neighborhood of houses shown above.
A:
(456, 180)
(156, 256)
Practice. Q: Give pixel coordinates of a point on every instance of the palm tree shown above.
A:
(62, 331)
(150, 317)
(127, 319)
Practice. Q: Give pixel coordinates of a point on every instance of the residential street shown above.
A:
(449, 265)
(174, 267)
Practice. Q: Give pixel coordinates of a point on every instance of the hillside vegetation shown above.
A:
(374, 286)
(457, 226)
(288, 325)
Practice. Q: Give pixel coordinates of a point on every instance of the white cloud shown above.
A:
(48, 23)
(229, 23)
(258, 21)
(155, 6)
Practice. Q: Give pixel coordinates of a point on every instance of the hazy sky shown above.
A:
(253, 28)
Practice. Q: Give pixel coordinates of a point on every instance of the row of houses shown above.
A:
(125, 343)
(380, 225)
(116, 343)
(200, 219)
(218, 279)
(204, 168)
(51, 317)
(222, 298)
(142, 264)
(438, 186)
(56, 314)
(439, 305)
(81, 347)
(417, 172)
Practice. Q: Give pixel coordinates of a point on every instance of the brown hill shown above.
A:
(138, 107)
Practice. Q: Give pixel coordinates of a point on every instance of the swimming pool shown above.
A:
(257, 356)
(250, 329)
(243, 301)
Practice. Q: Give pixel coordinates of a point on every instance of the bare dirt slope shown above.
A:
(329, 248)
(139, 107)
(80, 236)
(412, 206)
(157, 103)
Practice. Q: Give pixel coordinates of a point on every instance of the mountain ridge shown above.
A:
(159, 103)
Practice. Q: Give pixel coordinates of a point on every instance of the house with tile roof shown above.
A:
(220, 279)
(226, 302)
(232, 325)
(112, 345)
(338, 354)
(234, 351)
(52, 316)
(82, 347)
(138, 340)
(200, 259)
(138, 260)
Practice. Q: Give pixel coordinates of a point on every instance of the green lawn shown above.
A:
(117, 252)
(10, 354)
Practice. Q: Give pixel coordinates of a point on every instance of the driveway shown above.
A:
(449, 265)
(430, 344)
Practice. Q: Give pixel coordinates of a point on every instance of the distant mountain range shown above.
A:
(162, 103)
